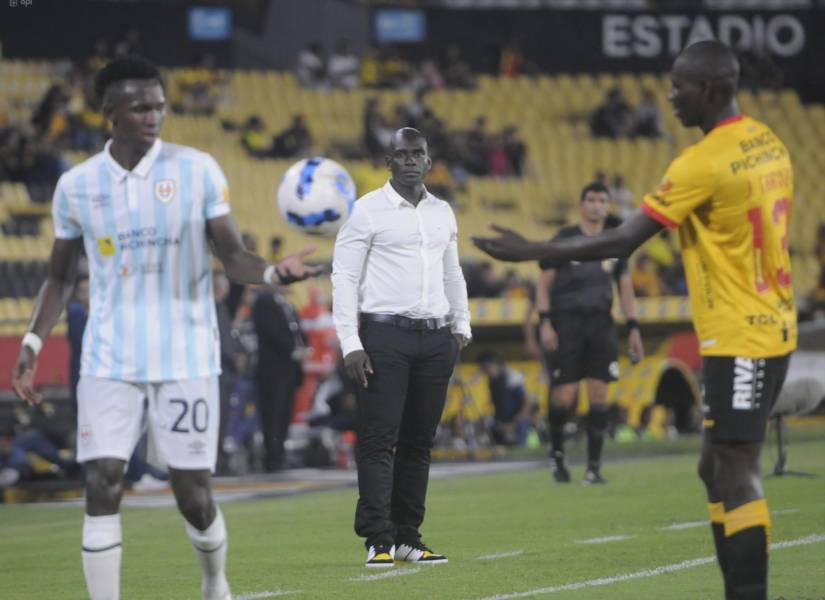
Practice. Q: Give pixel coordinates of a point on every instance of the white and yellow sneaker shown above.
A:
(418, 553)
(381, 555)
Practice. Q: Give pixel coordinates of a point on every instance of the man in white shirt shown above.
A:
(401, 314)
(145, 211)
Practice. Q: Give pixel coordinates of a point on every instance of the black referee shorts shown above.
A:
(588, 347)
(739, 394)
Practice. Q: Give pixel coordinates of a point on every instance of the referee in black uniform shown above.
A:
(577, 334)
(401, 314)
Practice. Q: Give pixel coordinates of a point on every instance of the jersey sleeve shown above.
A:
(688, 183)
(66, 224)
(215, 189)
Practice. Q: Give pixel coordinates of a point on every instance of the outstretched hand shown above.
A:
(292, 268)
(508, 246)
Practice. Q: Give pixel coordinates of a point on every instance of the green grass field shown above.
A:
(305, 545)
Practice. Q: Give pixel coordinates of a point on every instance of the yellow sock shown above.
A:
(752, 514)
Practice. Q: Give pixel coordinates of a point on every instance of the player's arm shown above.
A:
(547, 335)
(52, 298)
(627, 300)
(351, 248)
(243, 266)
(611, 243)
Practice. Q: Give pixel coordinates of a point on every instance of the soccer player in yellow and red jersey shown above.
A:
(729, 196)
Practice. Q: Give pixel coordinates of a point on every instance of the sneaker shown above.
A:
(560, 472)
(419, 553)
(381, 555)
(593, 477)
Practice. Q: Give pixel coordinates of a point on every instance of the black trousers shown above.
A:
(397, 417)
(276, 400)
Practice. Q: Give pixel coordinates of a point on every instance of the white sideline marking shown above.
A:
(256, 595)
(680, 566)
(500, 555)
(391, 573)
(785, 511)
(686, 525)
(606, 539)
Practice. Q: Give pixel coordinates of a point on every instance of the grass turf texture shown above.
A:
(306, 542)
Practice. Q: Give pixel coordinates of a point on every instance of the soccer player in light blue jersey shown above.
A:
(146, 212)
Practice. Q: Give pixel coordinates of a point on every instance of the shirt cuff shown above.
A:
(351, 344)
(462, 329)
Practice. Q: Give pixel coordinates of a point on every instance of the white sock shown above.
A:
(210, 546)
(101, 556)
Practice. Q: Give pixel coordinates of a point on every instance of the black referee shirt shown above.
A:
(583, 286)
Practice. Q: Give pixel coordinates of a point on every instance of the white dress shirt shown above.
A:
(395, 258)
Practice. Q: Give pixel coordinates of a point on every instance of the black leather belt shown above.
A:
(406, 322)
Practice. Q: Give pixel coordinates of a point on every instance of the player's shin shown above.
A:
(717, 525)
(210, 546)
(747, 536)
(557, 417)
(596, 428)
(101, 556)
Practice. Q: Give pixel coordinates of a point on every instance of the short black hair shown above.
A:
(121, 69)
(488, 357)
(594, 186)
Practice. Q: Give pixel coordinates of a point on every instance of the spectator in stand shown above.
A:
(254, 138)
(344, 66)
(515, 149)
(440, 181)
(647, 118)
(395, 71)
(428, 77)
(51, 119)
(457, 73)
(509, 398)
(311, 69)
(370, 73)
(477, 148)
(497, 163)
(613, 118)
(645, 277)
(482, 282)
(621, 198)
(276, 244)
(99, 57)
(294, 141)
(377, 133)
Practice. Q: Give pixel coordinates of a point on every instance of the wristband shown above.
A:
(544, 315)
(632, 324)
(268, 272)
(33, 341)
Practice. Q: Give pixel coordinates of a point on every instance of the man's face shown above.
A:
(687, 96)
(594, 206)
(409, 161)
(137, 111)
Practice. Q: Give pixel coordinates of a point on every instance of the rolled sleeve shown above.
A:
(351, 247)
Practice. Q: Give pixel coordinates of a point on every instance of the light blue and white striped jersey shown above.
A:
(152, 313)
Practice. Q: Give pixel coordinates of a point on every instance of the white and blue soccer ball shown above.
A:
(316, 195)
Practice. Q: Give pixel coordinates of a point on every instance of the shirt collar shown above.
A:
(398, 200)
(141, 169)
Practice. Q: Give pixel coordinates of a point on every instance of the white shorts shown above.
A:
(181, 416)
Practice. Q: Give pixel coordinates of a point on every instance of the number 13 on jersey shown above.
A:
(768, 229)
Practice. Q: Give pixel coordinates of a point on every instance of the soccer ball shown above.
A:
(316, 195)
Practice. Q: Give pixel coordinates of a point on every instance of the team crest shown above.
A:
(165, 190)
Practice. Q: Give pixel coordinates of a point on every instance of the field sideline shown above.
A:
(508, 535)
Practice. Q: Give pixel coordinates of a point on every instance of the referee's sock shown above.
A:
(210, 546)
(747, 539)
(557, 418)
(596, 428)
(101, 553)
(717, 525)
